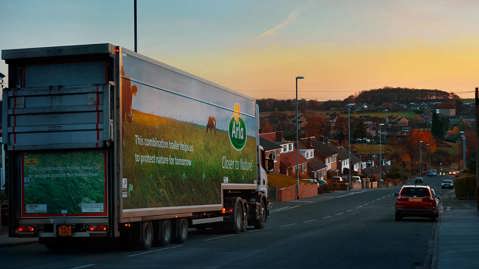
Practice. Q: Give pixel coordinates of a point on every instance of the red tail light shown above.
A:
(98, 228)
(25, 229)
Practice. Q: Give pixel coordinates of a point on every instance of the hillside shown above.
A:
(373, 97)
(402, 95)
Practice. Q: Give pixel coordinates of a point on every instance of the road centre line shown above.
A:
(84, 266)
(302, 201)
(219, 237)
(349, 210)
(327, 217)
(151, 251)
(310, 220)
(339, 213)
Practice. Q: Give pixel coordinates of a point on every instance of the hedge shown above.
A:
(465, 187)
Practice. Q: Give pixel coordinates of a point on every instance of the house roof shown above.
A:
(342, 154)
(355, 159)
(325, 150)
(268, 145)
(271, 136)
(315, 164)
(289, 159)
(445, 106)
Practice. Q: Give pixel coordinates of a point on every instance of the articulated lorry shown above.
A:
(102, 142)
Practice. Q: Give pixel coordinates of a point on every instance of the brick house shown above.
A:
(272, 151)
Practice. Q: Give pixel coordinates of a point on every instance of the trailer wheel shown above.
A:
(145, 239)
(238, 216)
(244, 227)
(260, 222)
(164, 232)
(181, 231)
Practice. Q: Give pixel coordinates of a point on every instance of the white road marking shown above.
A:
(287, 225)
(279, 209)
(349, 210)
(219, 237)
(327, 217)
(301, 201)
(310, 220)
(84, 266)
(150, 251)
(339, 213)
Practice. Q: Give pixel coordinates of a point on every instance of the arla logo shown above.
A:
(237, 129)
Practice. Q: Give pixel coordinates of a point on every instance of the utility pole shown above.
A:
(349, 146)
(420, 158)
(135, 26)
(464, 150)
(380, 153)
(297, 138)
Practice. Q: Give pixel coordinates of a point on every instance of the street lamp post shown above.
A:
(420, 157)
(349, 145)
(464, 150)
(297, 138)
(135, 18)
(380, 153)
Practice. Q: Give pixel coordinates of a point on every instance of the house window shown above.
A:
(290, 147)
(284, 148)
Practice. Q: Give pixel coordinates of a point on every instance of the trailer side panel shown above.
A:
(182, 138)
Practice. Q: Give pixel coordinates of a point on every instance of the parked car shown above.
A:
(418, 181)
(337, 179)
(416, 201)
(356, 179)
(323, 186)
(447, 184)
(432, 173)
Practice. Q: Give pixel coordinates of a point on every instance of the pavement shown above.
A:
(458, 235)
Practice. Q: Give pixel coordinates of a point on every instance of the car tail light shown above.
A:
(98, 228)
(25, 229)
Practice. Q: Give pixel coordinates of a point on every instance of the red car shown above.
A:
(417, 201)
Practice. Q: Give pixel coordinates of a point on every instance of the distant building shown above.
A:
(272, 152)
(328, 154)
(307, 153)
(317, 169)
(445, 109)
(288, 164)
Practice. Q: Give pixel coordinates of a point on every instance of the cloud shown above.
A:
(292, 16)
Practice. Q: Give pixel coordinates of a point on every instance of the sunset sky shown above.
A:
(257, 47)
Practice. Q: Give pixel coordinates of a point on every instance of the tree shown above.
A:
(358, 129)
(439, 126)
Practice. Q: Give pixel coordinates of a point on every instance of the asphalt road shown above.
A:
(337, 230)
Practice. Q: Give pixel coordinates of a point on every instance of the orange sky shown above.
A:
(258, 47)
(334, 72)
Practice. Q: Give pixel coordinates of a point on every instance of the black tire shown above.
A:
(164, 232)
(263, 214)
(145, 238)
(244, 227)
(181, 231)
(398, 217)
(237, 224)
